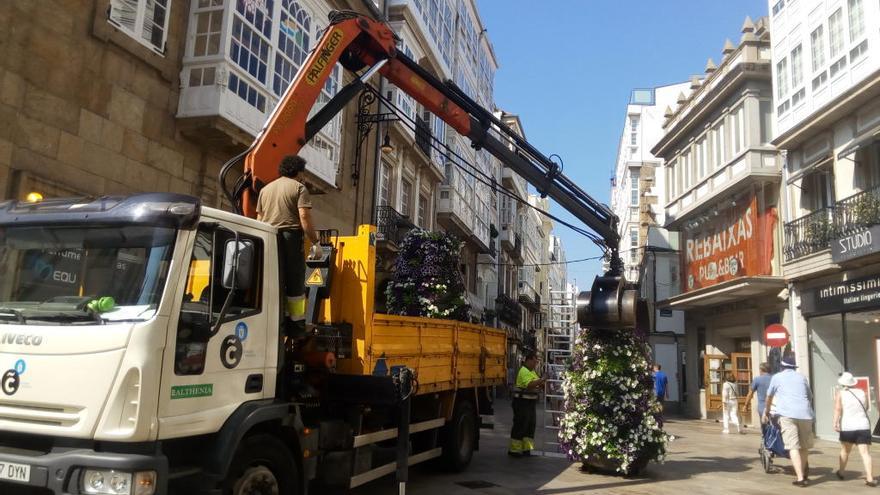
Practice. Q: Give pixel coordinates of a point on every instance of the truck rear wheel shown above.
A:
(460, 437)
(262, 465)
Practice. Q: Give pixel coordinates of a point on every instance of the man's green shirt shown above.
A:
(525, 377)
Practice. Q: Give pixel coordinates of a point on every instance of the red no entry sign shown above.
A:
(776, 335)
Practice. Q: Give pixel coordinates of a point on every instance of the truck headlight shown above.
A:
(110, 482)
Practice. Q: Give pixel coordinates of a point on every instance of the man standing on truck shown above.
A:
(525, 401)
(285, 204)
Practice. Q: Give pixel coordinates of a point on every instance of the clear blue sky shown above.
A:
(567, 68)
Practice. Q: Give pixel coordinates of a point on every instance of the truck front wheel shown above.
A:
(460, 437)
(262, 465)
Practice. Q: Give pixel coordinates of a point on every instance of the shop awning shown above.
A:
(866, 139)
(821, 160)
(726, 292)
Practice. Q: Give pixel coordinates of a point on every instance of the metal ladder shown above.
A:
(559, 338)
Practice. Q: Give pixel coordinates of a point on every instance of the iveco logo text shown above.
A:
(21, 339)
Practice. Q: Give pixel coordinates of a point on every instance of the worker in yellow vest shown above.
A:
(525, 401)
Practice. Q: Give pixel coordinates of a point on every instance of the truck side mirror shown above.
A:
(238, 262)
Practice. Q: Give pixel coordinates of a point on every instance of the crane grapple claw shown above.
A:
(612, 304)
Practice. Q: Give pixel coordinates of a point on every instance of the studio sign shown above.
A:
(857, 244)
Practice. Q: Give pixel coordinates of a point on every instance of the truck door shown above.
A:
(209, 367)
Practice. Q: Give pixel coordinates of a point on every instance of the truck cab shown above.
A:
(112, 341)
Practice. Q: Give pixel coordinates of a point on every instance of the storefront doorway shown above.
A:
(716, 366)
(843, 342)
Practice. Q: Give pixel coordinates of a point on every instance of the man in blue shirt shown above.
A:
(790, 397)
(759, 387)
(660, 382)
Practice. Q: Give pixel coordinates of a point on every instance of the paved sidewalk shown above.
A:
(700, 461)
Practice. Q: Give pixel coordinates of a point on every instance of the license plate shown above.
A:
(15, 472)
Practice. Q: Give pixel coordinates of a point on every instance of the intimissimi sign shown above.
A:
(736, 243)
(841, 296)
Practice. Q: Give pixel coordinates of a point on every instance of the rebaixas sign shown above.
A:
(856, 244)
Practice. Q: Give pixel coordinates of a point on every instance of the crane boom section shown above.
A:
(356, 42)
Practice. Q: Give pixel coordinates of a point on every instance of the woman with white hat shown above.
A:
(851, 407)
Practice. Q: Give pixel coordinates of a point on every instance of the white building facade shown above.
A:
(826, 72)
(638, 196)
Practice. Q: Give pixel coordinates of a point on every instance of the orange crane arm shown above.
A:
(361, 41)
(357, 42)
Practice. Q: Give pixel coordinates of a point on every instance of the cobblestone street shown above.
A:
(700, 461)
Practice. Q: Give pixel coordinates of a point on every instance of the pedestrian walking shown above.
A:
(730, 404)
(525, 401)
(851, 407)
(758, 388)
(789, 396)
(661, 382)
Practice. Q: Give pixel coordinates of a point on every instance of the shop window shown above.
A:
(144, 20)
(206, 294)
(826, 363)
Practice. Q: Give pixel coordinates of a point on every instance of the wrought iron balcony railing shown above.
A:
(508, 310)
(391, 226)
(857, 212)
(808, 234)
(813, 232)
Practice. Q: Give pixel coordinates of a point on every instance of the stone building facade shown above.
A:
(722, 197)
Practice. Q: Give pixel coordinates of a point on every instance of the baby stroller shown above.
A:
(771, 444)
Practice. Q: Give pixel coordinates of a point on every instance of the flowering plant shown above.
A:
(426, 280)
(611, 415)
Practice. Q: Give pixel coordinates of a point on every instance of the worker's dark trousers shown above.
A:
(522, 435)
(294, 273)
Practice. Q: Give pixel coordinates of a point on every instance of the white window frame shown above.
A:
(406, 192)
(386, 174)
(797, 66)
(634, 130)
(782, 78)
(701, 157)
(836, 45)
(634, 187)
(136, 32)
(817, 48)
(856, 17)
(423, 210)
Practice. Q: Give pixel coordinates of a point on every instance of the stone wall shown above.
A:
(85, 109)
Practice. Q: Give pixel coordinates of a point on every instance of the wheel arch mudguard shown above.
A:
(248, 416)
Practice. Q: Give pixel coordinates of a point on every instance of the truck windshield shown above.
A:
(82, 274)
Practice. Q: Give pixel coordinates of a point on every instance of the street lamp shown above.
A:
(386, 144)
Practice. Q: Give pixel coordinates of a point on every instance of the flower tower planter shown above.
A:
(426, 280)
(611, 422)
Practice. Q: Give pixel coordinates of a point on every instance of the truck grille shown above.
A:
(39, 415)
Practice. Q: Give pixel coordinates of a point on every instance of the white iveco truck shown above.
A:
(143, 350)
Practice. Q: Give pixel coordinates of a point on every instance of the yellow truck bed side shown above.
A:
(445, 354)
